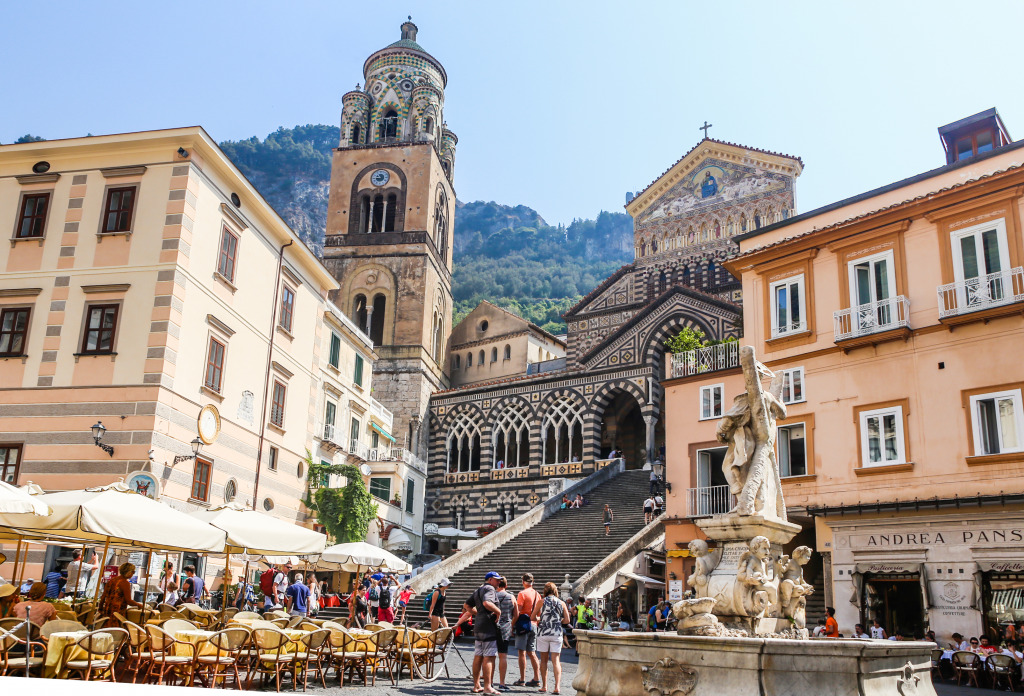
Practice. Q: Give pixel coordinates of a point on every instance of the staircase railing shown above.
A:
(593, 578)
(478, 549)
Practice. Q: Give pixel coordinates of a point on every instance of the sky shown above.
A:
(561, 106)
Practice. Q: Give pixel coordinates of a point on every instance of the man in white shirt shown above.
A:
(858, 632)
(275, 600)
(78, 573)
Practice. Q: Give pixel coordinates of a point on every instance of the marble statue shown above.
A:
(706, 561)
(749, 429)
(754, 581)
(793, 590)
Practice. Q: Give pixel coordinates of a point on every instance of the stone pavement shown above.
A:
(460, 682)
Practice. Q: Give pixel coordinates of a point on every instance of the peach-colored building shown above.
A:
(147, 285)
(895, 320)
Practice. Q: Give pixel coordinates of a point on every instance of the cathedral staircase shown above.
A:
(566, 542)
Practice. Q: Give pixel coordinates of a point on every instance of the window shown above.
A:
(974, 144)
(214, 365)
(494, 355)
(272, 460)
(872, 283)
(354, 430)
(32, 220)
(277, 405)
(330, 411)
(792, 450)
(998, 422)
(230, 490)
(374, 439)
(357, 375)
(793, 386)
(287, 307)
(881, 437)
(100, 325)
(228, 254)
(469, 360)
(508, 352)
(481, 356)
(458, 362)
(201, 480)
(10, 461)
(13, 331)
(980, 263)
(711, 401)
(355, 134)
(117, 216)
(410, 493)
(389, 126)
(788, 315)
(334, 357)
(380, 488)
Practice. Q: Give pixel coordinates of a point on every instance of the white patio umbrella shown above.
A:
(254, 533)
(359, 554)
(19, 500)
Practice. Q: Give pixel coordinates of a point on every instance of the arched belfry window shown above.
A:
(356, 133)
(511, 438)
(508, 352)
(482, 358)
(389, 212)
(494, 355)
(429, 125)
(380, 305)
(562, 431)
(436, 341)
(441, 223)
(463, 444)
(359, 313)
(389, 126)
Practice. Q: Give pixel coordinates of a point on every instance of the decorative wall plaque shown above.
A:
(666, 677)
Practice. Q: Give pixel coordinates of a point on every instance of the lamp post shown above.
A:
(97, 434)
(197, 445)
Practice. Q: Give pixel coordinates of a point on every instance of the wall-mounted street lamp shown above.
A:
(97, 434)
(197, 445)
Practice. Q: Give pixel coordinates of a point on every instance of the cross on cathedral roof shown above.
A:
(705, 127)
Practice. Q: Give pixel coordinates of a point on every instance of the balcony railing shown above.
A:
(708, 359)
(874, 317)
(358, 449)
(332, 437)
(709, 501)
(382, 414)
(984, 292)
(790, 329)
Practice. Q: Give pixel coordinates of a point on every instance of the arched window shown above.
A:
(508, 352)
(359, 313)
(494, 355)
(481, 356)
(469, 359)
(356, 133)
(562, 431)
(429, 125)
(446, 165)
(712, 271)
(389, 126)
(743, 223)
(730, 227)
(458, 362)
(389, 213)
(654, 246)
(436, 347)
(718, 230)
(757, 220)
(686, 276)
(463, 444)
(441, 223)
(511, 436)
(380, 305)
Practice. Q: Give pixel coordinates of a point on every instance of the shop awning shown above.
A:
(678, 553)
(382, 431)
(649, 582)
(398, 540)
(884, 568)
(604, 588)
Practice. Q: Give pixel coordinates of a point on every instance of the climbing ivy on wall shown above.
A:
(345, 512)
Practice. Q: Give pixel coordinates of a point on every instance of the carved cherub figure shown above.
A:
(752, 577)
(706, 561)
(793, 590)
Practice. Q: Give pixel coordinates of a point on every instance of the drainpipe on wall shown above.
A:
(266, 375)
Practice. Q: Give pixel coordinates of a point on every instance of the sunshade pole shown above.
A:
(145, 578)
(17, 559)
(244, 589)
(225, 586)
(103, 564)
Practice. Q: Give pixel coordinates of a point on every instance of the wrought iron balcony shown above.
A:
(709, 501)
(984, 292)
(331, 437)
(872, 318)
(709, 359)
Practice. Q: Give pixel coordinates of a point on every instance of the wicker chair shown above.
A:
(137, 654)
(247, 615)
(16, 653)
(966, 664)
(381, 642)
(101, 651)
(348, 654)
(310, 658)
(164, 657)
(59, 626)
(439, 642)
(272, 657)
(1001, 669)
(230, 644)
(172, 626)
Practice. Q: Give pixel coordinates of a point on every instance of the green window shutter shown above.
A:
(410, 491)
(335, 358)
(358, 376)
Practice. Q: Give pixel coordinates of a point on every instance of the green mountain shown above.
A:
(506, 254)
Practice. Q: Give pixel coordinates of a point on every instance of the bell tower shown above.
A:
(389, 223)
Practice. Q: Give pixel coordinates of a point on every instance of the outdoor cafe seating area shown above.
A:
(188, 644)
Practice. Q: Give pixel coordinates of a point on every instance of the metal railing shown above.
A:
(793, 327)
(707, 359)
(709, 501)
(975, 294)
(378, 410)
(873, 317)
(332, 435)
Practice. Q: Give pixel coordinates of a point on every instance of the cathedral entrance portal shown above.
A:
(623, 429)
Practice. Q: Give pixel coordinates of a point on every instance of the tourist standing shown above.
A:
(526, 631)
(297, 597)
(550, 614)
(194, 587)
(584, 615)
(485, 630)
(78, 573)
(437, 617)
(117, 595)
(654, 481)
(403, 601)
(648, 509)
(314, 595)
(609, 517)
(509, 613)
(373, 596)
(54, 579)
(386, 600)
(831, 625)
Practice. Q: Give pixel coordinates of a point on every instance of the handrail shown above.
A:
(611, 564)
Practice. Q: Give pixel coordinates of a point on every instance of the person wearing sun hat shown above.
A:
(8, 597)
(486, 614)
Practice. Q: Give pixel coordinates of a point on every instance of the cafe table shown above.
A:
(56, 659)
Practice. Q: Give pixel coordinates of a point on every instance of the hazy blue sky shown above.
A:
(560, 106)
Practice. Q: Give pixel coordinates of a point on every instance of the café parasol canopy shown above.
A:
(255, 534)
(114, 514)
(20, 501)
(358, 555)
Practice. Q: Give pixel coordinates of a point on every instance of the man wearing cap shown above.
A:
(486, 614)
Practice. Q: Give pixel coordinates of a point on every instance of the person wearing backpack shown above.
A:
(374, 595)
(272, 584)
(437, 597)
(385, 600)
(526, 631)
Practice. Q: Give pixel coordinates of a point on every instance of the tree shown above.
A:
(345, 513)
(687, 339)
(28, 138)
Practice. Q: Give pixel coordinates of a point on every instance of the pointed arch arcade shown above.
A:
(562, 430)
(510, 437)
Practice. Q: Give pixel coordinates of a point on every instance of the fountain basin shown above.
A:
(666, 664)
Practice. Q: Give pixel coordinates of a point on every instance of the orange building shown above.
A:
(894, 321)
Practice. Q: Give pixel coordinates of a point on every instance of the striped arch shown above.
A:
(599, 403)
(653, 347)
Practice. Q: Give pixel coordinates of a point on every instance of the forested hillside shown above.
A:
(506, 254)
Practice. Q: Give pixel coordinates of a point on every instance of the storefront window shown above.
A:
(1003, 597)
